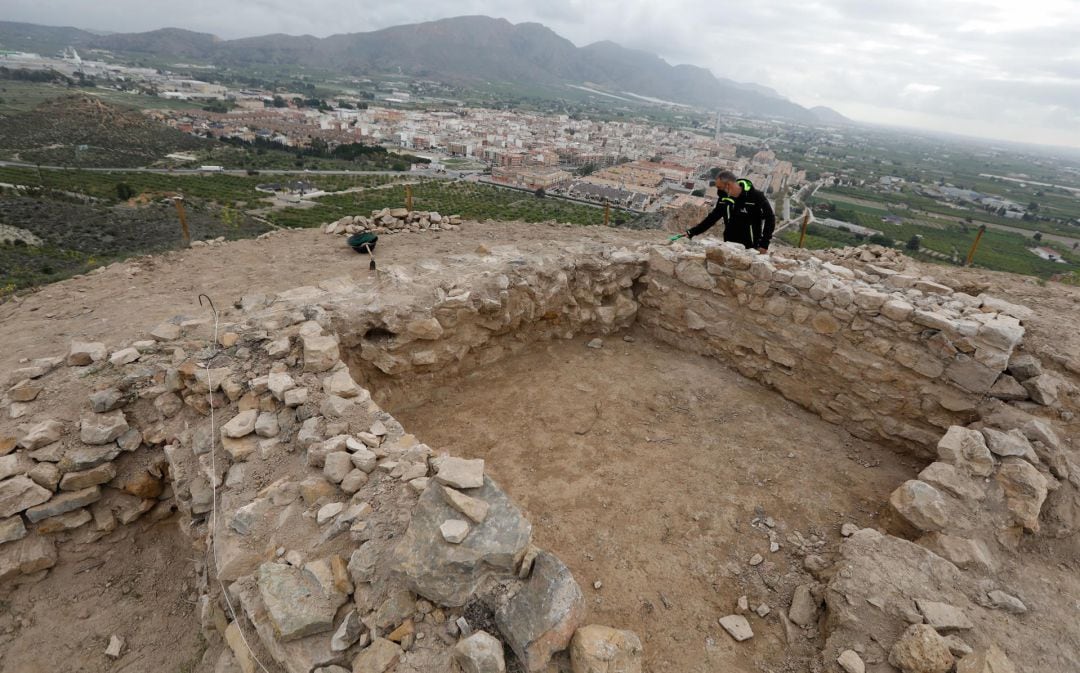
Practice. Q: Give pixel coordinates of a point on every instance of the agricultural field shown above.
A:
(90, 218)
(998, 250)
(470, 200)
(77, 237)
(219, 188)
(19, 96)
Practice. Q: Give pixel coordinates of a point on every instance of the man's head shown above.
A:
(727, 182)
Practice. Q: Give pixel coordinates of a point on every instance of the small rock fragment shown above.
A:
(116, 646)
(851, 662)
(454, 531)
(737, 627)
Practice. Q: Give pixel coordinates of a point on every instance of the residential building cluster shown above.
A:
(630, 165)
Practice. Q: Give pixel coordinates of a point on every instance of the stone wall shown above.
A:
(892, 357)
(507, 301)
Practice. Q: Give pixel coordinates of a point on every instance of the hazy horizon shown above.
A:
(978, 69)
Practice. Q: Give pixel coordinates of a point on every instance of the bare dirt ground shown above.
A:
(137, 584)
(644, 469)
(124, 301)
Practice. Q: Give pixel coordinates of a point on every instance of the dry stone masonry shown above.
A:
(346, 544)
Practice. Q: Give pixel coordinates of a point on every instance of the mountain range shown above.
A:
(461, 50)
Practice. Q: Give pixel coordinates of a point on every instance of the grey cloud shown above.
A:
(995, 62)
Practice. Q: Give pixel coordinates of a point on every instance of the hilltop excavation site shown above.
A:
(519, 447)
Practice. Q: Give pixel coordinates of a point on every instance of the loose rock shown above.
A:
(480, 653)
(461, 472)
(851, 662)
(454, 531)
(737, 627)
(601, 649)
(921, 650)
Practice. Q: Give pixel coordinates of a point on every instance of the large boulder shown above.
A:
(42, 434)
(540, 619)
(320, 353)
(449, 574)
(1025, 491)
(28, 555)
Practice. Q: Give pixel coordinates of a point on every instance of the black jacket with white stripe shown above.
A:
(748, 219)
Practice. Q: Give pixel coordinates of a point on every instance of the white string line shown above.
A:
(213, 551)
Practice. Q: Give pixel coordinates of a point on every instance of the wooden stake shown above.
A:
(978, 237)
(179, 201)
(805, 223)
(607, 214)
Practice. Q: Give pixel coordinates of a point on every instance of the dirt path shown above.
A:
(127, 299)
(644, 469)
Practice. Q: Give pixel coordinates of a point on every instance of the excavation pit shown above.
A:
(759, 405)
(660, 475)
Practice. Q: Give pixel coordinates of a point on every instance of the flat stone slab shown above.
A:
(25, 556)
(737, 627)
(295, 601)
(102, 428)
(63, 503)
(20, 493)
(942, 616)
(461, 472)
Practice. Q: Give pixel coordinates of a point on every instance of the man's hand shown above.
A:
(763, 250)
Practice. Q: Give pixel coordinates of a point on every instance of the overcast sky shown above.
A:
(992, 68)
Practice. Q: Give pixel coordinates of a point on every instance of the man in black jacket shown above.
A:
(748, 216)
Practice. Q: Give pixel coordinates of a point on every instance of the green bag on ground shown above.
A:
(364, 242)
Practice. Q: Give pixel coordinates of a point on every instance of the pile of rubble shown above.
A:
(392, 221)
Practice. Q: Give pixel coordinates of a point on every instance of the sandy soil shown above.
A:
(137, 583)
(644, 469)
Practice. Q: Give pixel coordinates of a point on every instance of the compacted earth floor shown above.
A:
(137, 583)
(658, 476)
